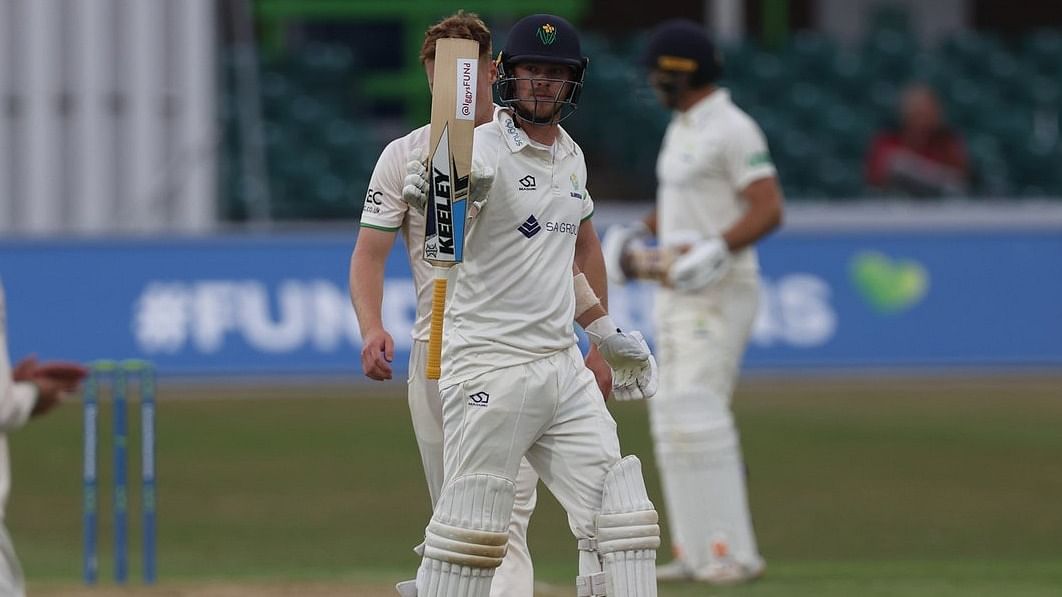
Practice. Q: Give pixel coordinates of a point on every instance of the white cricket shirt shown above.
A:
(512, 300)
(385, 210)
(710, 153)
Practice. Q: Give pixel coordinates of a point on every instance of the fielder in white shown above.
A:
(513, 382)
(28, 390)
(718, 195)
(384, 214)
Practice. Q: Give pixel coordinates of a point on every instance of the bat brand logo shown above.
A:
(443, 230)
(547, 34)
(530, 227)
(527, 183)
(443, 216)
(478, 399)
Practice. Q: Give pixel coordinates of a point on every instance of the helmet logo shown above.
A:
(547, 34)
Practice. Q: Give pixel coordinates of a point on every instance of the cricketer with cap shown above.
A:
(717, 195)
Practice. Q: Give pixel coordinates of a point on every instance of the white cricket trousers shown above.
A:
(12, 583)
(700, 341)
(549, 410)
(515, 577)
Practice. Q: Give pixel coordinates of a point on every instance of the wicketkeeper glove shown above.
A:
(619, 239)
(415, 191)
(634, 374)
(703, 265)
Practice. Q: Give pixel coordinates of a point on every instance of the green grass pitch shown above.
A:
(927, 486)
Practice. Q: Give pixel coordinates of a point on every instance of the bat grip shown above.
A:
(438, 307)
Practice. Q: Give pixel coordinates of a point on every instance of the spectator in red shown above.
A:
(923, 157)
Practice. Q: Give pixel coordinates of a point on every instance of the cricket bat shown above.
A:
(453, 120)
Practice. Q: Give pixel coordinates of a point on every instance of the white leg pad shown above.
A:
(627, 537)
(467, 537)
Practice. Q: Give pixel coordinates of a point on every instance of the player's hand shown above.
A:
(703, 265)
(479, 189)
(637, 382)
(415, 185)
(619, 239)
(23, 371)
(54, 381)
(377, 352)
(602, 372)
(633, 366)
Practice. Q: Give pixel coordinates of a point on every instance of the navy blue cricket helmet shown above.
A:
(547, 39)
(681, 46)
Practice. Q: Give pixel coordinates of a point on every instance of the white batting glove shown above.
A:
(703, 265)
(633, 366)
(639, 382)
(415, 189)
(620, 238)
(479, 190)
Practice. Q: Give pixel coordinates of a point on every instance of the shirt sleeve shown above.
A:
(384, 208)
(588, 202)
(746, 157)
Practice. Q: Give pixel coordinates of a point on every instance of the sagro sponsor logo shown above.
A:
(478, 399)
(566, 227)
(527, 183)
(530, 227)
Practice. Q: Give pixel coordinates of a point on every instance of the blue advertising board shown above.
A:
(279, 304)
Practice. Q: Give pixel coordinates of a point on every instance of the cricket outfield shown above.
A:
(871, 486)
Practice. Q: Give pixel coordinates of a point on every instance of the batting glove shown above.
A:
(638, 382)
(703, 265)
(619, 239)
(479, 190)
(415, 189)
(633, 366)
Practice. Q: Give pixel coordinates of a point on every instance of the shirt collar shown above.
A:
(517, 139)
(708, 104)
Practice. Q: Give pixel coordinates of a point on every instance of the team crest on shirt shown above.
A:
(575, 187)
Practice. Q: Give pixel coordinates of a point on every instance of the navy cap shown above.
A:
(683, 46)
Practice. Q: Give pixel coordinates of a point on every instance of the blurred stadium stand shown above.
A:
(818, 101)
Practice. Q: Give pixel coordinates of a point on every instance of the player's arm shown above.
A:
(632, 368)
(367, 264)
(381, 217)
(763, 215)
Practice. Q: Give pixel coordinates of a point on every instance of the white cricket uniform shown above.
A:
(16, 402)
(513, 379)
(384, 209)
(710, 153)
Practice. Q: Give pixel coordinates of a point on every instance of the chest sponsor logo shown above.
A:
(564, 227)
(478, 399)
(530, 227)
(527, 183)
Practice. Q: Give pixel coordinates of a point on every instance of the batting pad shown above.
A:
(467, 537)
(627, 532)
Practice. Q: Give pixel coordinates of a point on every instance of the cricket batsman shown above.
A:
(718, 195)
(513, 382)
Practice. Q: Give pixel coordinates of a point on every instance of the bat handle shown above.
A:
(438, 307)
